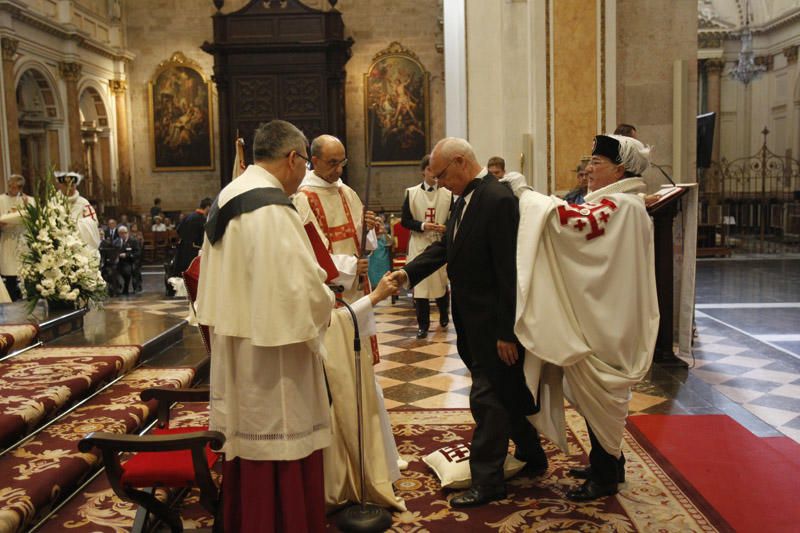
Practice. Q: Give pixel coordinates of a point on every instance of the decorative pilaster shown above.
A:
(714, 68)
(71, 73)
(9, 50)
(767, 61)
(124, 192)
(791, 54)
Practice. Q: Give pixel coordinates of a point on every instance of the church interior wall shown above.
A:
(416, 25)
(644, 66)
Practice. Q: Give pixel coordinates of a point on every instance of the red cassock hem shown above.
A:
(274, 496)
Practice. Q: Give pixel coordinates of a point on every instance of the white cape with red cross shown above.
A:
(587, 311)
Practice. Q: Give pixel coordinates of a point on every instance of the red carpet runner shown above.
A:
(752, 482)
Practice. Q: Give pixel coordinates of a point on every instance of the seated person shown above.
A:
(158, 224)
(130, 252)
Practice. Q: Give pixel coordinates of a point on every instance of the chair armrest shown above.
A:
(150, 443)
(166, 396)
(171, 395)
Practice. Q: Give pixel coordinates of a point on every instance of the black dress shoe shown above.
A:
(478, 496)
(585, 472)
(592, 491)
(422, 333)
(444, 322)
(533, 467)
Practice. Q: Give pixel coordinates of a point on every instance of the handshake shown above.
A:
(389, 284)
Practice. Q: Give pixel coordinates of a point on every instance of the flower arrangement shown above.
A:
(56, 266)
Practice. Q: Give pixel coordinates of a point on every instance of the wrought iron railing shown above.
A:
(751, 204)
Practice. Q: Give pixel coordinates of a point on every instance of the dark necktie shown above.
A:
(458, 209)
(430, 189)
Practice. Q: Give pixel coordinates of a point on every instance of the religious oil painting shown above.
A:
(179, 100)
(397, 107)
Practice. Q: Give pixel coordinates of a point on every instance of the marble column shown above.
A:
(713, 68)
(124, 193)
(71, 73)
(9, 47)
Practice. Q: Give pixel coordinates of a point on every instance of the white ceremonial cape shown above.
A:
(12, 233)
(263, 296)
(586, 306)
(85, 218)
(428, 207)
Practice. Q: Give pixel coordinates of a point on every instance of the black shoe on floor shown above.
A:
(477, 496)
(591, 490)
(422, 333)
(585, 472)
(444, 323)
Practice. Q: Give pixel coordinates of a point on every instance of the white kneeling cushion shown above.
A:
(451, 465)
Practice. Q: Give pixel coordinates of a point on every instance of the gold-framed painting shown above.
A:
(396, 107)
(179, 104)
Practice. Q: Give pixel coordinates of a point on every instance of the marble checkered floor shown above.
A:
(746, 361)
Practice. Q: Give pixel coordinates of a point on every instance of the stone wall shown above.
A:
(154, 34)
(645, 72)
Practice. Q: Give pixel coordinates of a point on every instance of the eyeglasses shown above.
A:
(333, 163)
(440, 174)
(301, 156)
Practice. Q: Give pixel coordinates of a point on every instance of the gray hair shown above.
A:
(449, 147)
(319, 143)
(276, 139)
(18, 179)
(122, 227)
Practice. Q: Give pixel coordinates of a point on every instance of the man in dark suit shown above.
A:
(479, 249)
(190, 232)
(128, 258)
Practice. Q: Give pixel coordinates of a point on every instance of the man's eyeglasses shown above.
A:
(440, 174)
(334, 163)
(301, 156)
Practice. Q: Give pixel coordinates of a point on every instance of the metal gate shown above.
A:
(750, 205)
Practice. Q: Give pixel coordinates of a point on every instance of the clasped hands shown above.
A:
(434, 227)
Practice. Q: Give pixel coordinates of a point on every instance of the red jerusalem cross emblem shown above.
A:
(595, 216)
(430, 214)
(455, 454)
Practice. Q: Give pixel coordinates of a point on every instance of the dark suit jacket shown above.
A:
(131, 248)
(481, 265)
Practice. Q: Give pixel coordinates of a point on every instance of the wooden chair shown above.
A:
(149, 246)
(161, 241)
(174, 458)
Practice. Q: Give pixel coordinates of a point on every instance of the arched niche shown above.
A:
(40, 117)
(96, 137)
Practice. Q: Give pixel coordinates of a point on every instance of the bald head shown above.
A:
(328, 157)
(454, 163)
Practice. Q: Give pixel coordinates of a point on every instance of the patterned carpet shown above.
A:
(648, 501)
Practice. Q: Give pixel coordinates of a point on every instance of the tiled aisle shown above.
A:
(744, 364)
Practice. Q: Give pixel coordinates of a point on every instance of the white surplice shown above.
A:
(12, 233)
(85, 218)
(587, 310)
(264, 297)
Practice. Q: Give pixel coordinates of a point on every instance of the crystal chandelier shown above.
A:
(746, 69)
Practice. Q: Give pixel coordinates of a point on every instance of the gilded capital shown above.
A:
(714, 66)
(118, 86)
(9, 46)
(766, 61)
(791, 54)
(70, 71)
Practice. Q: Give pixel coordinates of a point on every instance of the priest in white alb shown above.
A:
(263, 296)
(337, 213)
(81, 211)
(12, 235)
(426, 208)
(587, 311)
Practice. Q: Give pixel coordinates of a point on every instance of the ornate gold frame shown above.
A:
(397, 50)
(179, 60)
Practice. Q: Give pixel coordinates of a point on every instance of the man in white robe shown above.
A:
(336, 212)
(425, 211)
(587, 311)
(263, 296)
(81, 211)
(12, 235)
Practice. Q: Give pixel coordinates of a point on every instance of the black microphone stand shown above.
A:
(362, 517)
